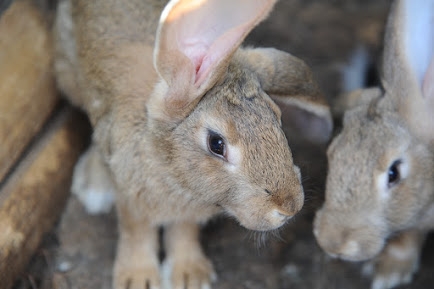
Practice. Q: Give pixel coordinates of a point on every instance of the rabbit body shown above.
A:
(380, 186)
(184, 125)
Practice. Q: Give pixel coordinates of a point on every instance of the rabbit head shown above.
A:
(212, 128)
(380, 178)
(231, 152)
(186, 119)
(214, 100)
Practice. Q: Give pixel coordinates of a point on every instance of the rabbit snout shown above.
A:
(341, 237)
(266, 211)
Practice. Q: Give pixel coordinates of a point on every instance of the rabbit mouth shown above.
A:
(349, 243)
(352, 250)
(356, 258)
(259, 221)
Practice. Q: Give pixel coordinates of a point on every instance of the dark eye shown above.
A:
(393, 174)
(216, 144)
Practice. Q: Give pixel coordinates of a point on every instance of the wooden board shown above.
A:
(27, 91)
(33, 197)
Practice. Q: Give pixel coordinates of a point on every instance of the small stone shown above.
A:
(64, 266)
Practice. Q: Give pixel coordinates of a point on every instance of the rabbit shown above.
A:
(379, 195)
(186, 125)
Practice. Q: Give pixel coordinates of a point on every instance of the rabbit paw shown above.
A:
(92, 184)
(395, 265)
(135, 270)
(390, 274)
(193, 273)
(144, 277)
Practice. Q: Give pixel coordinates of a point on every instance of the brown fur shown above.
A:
(151, 109)
(362, 210)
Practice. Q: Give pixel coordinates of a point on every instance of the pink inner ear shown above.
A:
(194, 51)
(207, 32)
(217, 52)
(418, 37)
(194, 43)
(205, 58)
(428, 81)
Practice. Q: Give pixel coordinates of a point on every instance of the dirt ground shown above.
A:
(79, 252)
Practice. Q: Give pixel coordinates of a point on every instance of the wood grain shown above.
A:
(27, 90)
(33, 197)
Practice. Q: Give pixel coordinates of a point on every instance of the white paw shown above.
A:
(396, 264)
(92, 184)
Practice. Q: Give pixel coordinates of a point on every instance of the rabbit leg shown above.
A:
(136, 264)
(186, 266)
(92, 183)
(398, 261)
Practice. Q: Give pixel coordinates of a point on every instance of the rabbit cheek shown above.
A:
(234, 158)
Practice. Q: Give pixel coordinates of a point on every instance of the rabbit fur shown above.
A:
(185, 126)
(379, 201)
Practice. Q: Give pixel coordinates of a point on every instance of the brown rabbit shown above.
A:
(380, 186)
(184, 126)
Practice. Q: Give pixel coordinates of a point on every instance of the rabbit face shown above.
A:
(382, 188)
(232, 151)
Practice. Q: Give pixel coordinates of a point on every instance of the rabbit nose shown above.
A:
(288, 204)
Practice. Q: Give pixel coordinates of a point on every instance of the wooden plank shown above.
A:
(32, 199)
(27, 90)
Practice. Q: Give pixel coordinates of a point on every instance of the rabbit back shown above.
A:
(107, 41)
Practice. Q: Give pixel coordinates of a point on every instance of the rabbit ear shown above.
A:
(195, 41)
(289, 82)
(408, 63)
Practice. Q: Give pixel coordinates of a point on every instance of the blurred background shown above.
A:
(331, 36)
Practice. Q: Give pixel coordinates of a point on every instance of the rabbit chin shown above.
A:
(258, 220)
(369, 254)
(352, 249)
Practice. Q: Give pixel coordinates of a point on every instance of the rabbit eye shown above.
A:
(393, 174)
(216, 144)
